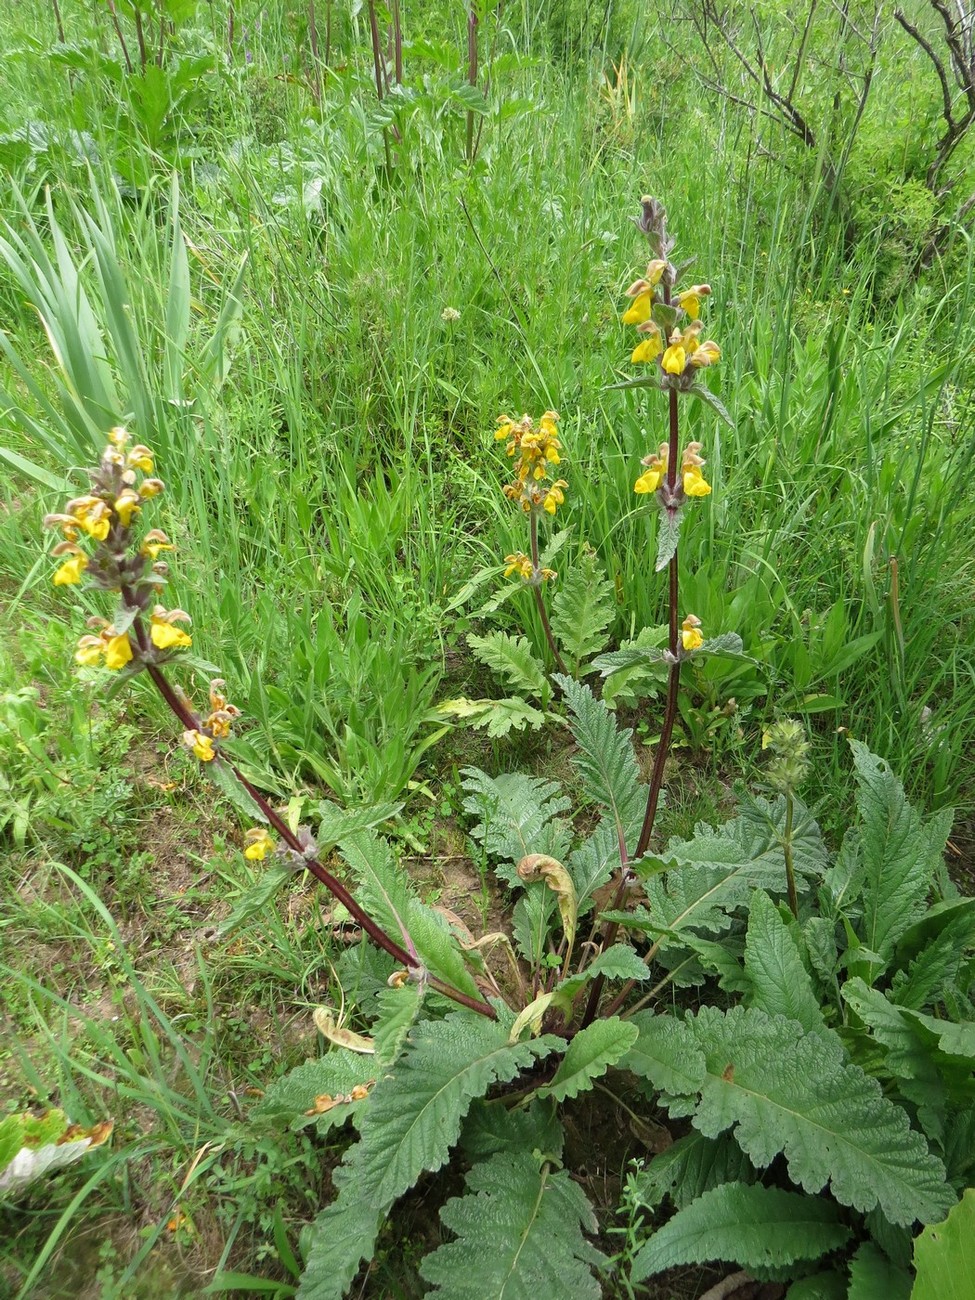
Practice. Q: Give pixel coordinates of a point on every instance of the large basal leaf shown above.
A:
(582, 609)
(780, 984)
(593, 863)
(750, 1225)
(416, 1110)
(896, 851)
(340, 1238)
(691, 1166)
(934, 969)
(944, 1255)
(715, 872)
(605, 761)
(519, 1236)
(531, 922)
(491, 1127)
(512, 659)
(496, 717)
(398, 1011)
(874, 1277)
(590, 1054)
(776, 1090)
(515, 815)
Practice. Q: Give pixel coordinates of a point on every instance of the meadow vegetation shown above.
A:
(657, 804)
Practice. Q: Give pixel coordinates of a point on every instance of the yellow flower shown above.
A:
(694, 484)
(692, 480)
(656, 470)
(126, 505)
(519, 563)
(154, 542)
(163, 633)
(674, 360)
(140, 457)
(554, 497)
(201, 745)
(706, 355)
(89, 652)
(71, 570)
(118, 437)
(166, 637)
(92, 515)
(652, 345)
(118, 650)
(639, 309)
(691, 637)
(690, 299)
(259, 844)
(151, 487)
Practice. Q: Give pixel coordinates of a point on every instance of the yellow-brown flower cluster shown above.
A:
(692, 482)
(199, 740)
(521, 564)
(677, 351)
(534, 449)
(120, 484)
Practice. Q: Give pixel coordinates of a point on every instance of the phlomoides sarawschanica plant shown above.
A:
(819, 1094)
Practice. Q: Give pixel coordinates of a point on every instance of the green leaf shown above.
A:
(512, 658)
(491, 1127)
(668, 535)
(896, 856)
(532, 921)
(335, 1074)
(516, 815)
(384, 891)
(666, 1053)
(692, 1166)
(728, 645)
(751, 1225)
(944, 1255)
(340, 1237)
(519, 1236)
(257, 897)
(416, 1110)
(398, 1011)
(582, 609)
(705, 395)
(874, 1277)
(618, 962)
(224, 779)
(590, 1054)
(779, 1092)
(779, 982)
(497, 717)
(605, 762)
(821, 1286)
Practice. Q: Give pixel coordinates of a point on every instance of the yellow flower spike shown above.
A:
(71, 570)
(690, 635)
(639, 309)
(674, 360)
(127, 505)
(200, 745)
(259, 845)
(118, 650)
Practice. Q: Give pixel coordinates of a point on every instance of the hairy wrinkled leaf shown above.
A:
(944, 1255)
(691, 1166)
(590, 1054)
(582, 609)
(292, 1098)
(751, 1225)
(519, 1236)
(777, 1091)
(779, 982)
(512, 658)
(516, 815)
(416, 1110)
